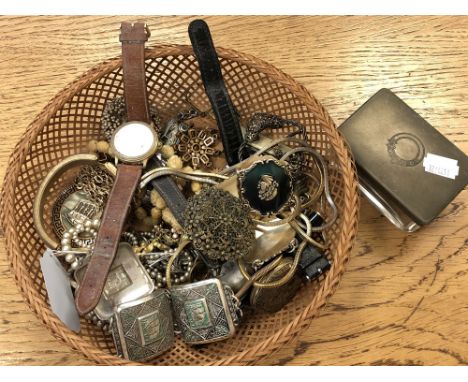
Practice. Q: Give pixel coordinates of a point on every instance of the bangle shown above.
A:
(54, 174)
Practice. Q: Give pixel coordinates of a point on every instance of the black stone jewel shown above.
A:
(266, 186)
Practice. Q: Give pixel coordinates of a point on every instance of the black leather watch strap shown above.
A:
(169, 191)
(210, 69)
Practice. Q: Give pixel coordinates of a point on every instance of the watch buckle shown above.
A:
(134, 32)
(147, 30)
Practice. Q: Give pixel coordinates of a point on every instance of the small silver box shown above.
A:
(127, 280)
(204, 311)
(143, 329)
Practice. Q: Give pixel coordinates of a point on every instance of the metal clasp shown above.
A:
(147, 30)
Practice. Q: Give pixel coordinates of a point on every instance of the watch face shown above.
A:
(134, 142)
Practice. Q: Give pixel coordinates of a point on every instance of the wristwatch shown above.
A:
(133, 143)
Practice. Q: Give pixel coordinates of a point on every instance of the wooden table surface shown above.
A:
(403, 298)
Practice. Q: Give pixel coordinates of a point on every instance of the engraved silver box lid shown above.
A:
(128, 280)
(204, 311)
(143, 329)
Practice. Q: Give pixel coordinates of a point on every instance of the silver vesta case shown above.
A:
(204, 311)
(143, 329)
(128, 280)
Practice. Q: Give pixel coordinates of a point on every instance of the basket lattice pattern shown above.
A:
(72, 118)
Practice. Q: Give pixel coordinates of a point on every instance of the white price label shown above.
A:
(59, 290)
(442, 166)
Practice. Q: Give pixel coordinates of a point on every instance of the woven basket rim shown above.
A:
(248, 356)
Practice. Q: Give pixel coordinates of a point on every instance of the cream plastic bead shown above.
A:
(170, 219)
(110, 152)
(92, 145)
(102, 146)
(156, 213)
(167, 151)
(160, 203)
(175, 162)
(140, 213)
(155, 221)
(157, 200)
(148, 221)
(196, 187)
(154, 197)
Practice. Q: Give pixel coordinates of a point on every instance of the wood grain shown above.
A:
(403, 299)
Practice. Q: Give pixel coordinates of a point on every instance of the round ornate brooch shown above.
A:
(266, 186)
(219, 225)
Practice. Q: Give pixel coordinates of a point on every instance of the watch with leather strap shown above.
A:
(133, 143)
(226, 114)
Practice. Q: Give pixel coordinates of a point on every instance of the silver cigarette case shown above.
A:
(143, 329)
(127, 280)
(204, 311)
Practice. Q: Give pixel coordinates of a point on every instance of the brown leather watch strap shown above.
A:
(133, 38)
(108, 237)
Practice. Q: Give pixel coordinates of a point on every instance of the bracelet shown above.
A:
(202, 177)
(54, 174)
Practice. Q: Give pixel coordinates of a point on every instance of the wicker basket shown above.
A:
(72, 118)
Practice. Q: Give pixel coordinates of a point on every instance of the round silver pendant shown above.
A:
(134, 142)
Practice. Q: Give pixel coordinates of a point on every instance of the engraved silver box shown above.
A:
(143, 329)
(128, 280)
(204, 311)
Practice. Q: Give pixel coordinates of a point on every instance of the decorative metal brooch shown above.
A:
(266, 186)
(196, 146)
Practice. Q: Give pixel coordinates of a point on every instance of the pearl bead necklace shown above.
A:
(102, 324)
(153, 261)
(72, 237)
(89, 227)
